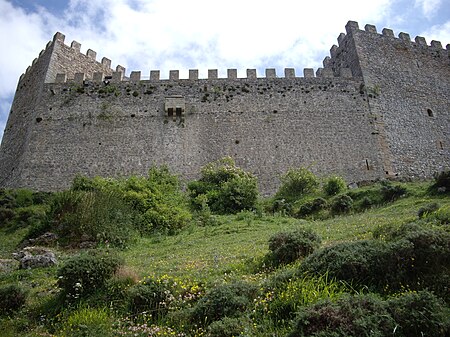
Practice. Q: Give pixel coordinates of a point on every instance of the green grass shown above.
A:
(232, 250)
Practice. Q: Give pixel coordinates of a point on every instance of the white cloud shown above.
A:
(429, 7)
(438, 33)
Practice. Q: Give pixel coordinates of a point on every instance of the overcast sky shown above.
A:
(201, 34)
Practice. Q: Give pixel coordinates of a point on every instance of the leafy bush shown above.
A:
(391, 192)
(296, 183)
(341, 204)
(359, 263)
(228, 300)
(281, 206)
(410, 314)
(420, 314)
(87, 322)
(312, 207)
(148, 296)
(349, 316)
(85, 273)
(427, 209)
(12, 298)
(413, 258)
(441, 182)
(158, 200)
(226, 327)
(228, 188)
(334, 185)
(287, 247)
(96, 216)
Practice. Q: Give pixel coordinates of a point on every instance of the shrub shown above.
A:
(148, 296)
(296, 183)
(349, 316)
(226, 327)
(287, 247)
(420, 314)
(334, 185)
(341, 204)
(228, 300)
(311, 207)
(365, 203)
(98, 216)
(391, 192)
(281, 206)
(85, 273)
(6, 215)
(228, 188)
(427, 209)
(359, 263)
(12, 298)
(414, 258)
(87, 322)
(441, 182)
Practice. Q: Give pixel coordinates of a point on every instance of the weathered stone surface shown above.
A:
(35, 257)
(380, 108)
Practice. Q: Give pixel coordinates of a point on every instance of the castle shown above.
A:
(379, 107)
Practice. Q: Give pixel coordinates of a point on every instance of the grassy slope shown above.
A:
(209, 252)
(226, 251)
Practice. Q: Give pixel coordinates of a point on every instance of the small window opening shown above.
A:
(39, 119)
(430, 113)
(178, 112)
(441, 145)
(367, 165)
(170, 112)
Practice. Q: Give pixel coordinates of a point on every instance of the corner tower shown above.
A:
(408, 89)
(54, 59)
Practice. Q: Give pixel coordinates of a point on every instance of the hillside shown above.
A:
(377, 265)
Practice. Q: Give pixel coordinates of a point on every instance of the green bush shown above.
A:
(341, 204)
(427, 209)
(96, 216)
(85, 273)
(228, 188)
(420, 314)
(334, 185)
(312, 207)
(391, 192)
(87, 322)
(157, 199)
(349, 316)
(408, 315)
(280, 206)
(12, 298)
(412, 258)
(287, 247)
(441, 182)
(148, 296)
(296, 183)
(228, 300)
(360, 263)
(226, 327)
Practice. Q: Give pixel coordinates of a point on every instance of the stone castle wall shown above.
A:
(379, 107)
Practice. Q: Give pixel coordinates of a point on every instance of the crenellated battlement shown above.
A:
(435, 48)
(73, 57)
(155, 75)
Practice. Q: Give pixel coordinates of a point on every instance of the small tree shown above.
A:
(227, 188)
(296, 183)
(334, 185)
